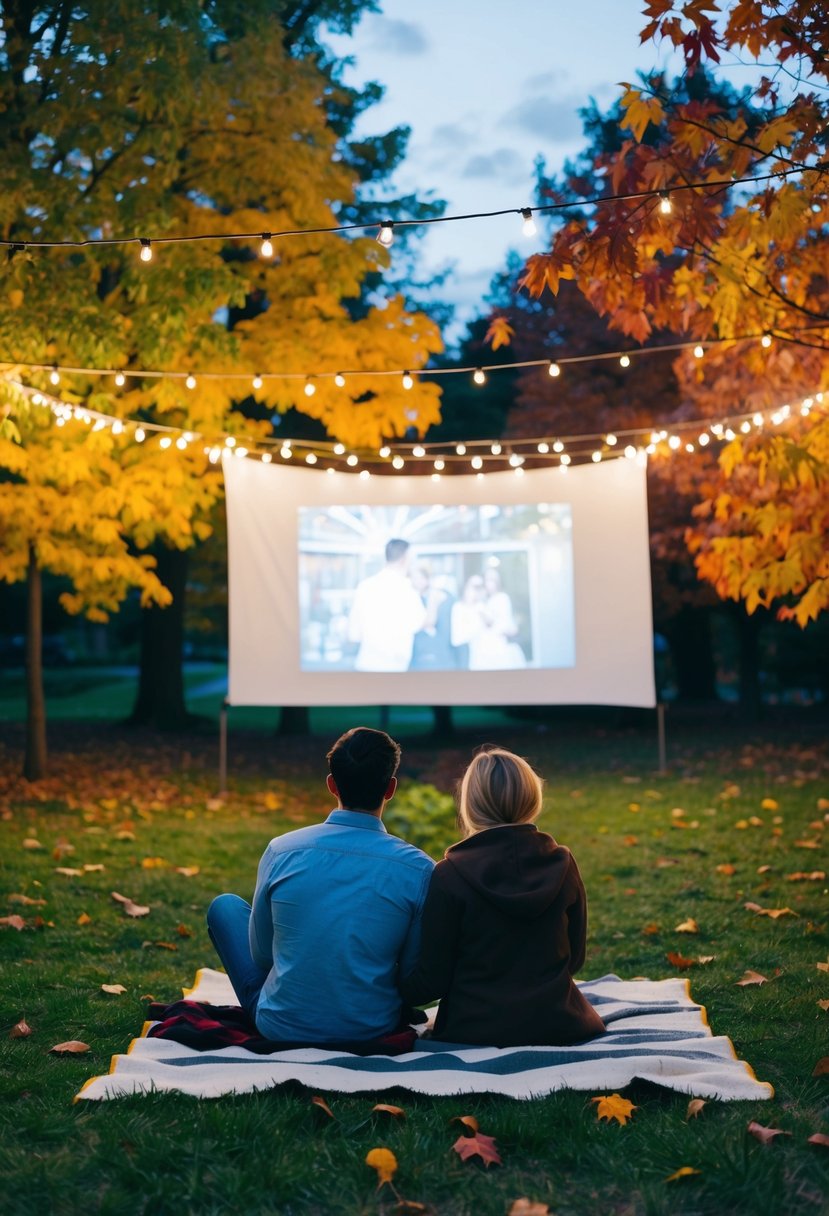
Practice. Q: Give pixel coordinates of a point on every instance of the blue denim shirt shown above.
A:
(335, 915)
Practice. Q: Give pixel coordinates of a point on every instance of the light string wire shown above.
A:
(21, 244)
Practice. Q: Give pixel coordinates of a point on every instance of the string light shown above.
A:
(477, 462)
(630, 451)
(766, 341)
(117, 427)
(339, 380)
(543, 448)
(558, 446)
(310, 387)
(478, 376)
(440, 465)
(385, 236)
(351, 460)
(495, 449)
(624, 360)
(757, 419)
(398, 462)
(339, 449)
(120, 379)
(364, 474)
(704, 439)
(165, 441)
(190, 382)
(266, 458)
(407, 381)
(596, 457)
(554, 370)
(460, 448)
(146, 254)
(385, 451)
(181, 444)
(418, 450)
(665, 204)
(311, 458)
(230, 441)
(674, 442)
(256, 383)
(611, 440)
(699, 351)
(528, 227)
(140, 434)
(565, 459)
(266, 248)
(54, 376)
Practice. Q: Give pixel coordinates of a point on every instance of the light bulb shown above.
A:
(117, 426)
(519, 472)
(285, 452)
(624, 360)
(558, 446)
(339, 449)
(766, 341)
(805, 409)
(146, 254)
(407, 380)
(339, 380)
(418, 450)
(364, 474)
(665, 204)
(385, 451)
(241, 453)
(214, 455)
(266, 458)
(611, 440)
(478, 376)
(745, 427)
(310, 388)
(476, 462)
(120, 379)
(729, 434)
(257, 381)
(190, 382)
(596, 457)
(266, 248)
(310, 458)
(352, 460)
(140, 434)
(528, 227)
(543, 448)
(515, 460)
(54, 376)
(674, 442)
(565, 459)
(689, 447)
(398, 462)
(164, 441)
(757, 419)
(461, 449)
(699, 351)
(496, 449)
(440, 465)
(230, 441)
(630, 451)
(181, 443)
(385, 236)
(554, 370)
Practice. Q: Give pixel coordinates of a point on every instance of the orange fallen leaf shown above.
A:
(397, 1112)
(384, 1161)
(741, 825)
(188, 871)
(763, 869)
(650, 929)
(13, 922)
(183, 931)
(130, 908)
(663, 862)
(803, 876)
(20, 1030)
(822, 966)
(766, 1135)
(93, 869)
(727, 868)
(26, 900)
(32, 843)
(125, 834)
(751, 977)
(821, 1069)
(113, 989)
(684, 1171)
(630, 841)
(774, 913)
(160, 945)
(70, 1047)
(62, 849)
(153, 863)
(679, 961)
(322, 1105)
(69, 871)
(702, 959)
(769, 804)
(478, 1145)
(687, 926)
(467, 1120)
(807, 844)
(84, 919)
(819, 1138)
(614, 1106)
(694, 1108)
(409, 1205)
(526, 1207)
(824, 1005)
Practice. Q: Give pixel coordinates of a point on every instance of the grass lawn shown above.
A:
(649, 848)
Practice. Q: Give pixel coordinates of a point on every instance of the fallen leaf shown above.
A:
(751, 977)
(130, 908)
(70, 1047)
(807, 844)
(822, 966)
(802, 876)
(684, 1171)
(20, 1030)
(161, 945)
(26, 900)
(614, 1106)
(687, 926)
(271, 801)
(526, 1207)
(153, 863)
(662, 862)
(183, 931)
(821, 1069)
(214, 804)
(824, 1005)
(727, 868)
(188, 871)
(650, 929)
(694, 1108)
(769, 804)
(741, 825)
(125, 834)
(819, 1138)
(467, 1120)
(84, 919)
(774, 913)
(69, 871)
(13, 922)
(478, 1145)
(31, 843)
(113, 989)
(702, 959)
(384, 1161)
(322, 1105)
(630, 841)
(679, 961)
(93, 869)
(397, 1112)
(765, 1134)
(763, 869)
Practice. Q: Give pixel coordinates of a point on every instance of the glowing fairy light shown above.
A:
(476, 462)
(310, 387)
(190, 382)
(418, 450)
(478, 376)
(665, 204)
(339, 380)
(146, 254)
(398, 462)
(120, 379)
(256, 382)
(554, 369)
(528, 227)
(351, 460)
(408, 380)
(266, 248)
(624, 360)
(385, 236)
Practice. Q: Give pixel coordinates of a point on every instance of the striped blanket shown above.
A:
(655, 1033)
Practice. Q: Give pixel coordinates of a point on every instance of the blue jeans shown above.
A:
(227, 926)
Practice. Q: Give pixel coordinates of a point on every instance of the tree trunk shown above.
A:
(34, 763)
(294, 720)
(693, 654)
(160, 699)
(444, 727)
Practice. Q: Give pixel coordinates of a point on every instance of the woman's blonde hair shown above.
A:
(498, 788)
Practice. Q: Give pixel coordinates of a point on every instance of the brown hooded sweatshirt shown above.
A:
(504, 931)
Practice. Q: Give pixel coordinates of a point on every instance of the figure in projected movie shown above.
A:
(386, 613)
(483, 621)
(432, 649)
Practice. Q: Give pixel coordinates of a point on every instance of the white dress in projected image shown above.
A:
(486, 627)
(386, 613)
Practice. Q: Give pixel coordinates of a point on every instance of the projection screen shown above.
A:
(499, 589)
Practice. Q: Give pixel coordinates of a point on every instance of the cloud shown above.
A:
(556, 122)
(503, 163)
(545, 80)
(398, 37)
(452, 135)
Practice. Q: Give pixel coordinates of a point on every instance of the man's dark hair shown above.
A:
(362, 763)
(395, 549)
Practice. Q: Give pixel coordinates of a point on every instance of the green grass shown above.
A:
(270, 1153)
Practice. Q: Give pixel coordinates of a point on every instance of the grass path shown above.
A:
(649, 848)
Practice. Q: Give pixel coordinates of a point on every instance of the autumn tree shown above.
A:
(116, 123)
(726, 261)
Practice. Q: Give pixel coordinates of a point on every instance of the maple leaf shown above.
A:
(477, 1145)
(694, 1108)
(183, 931)
(130, 908)
(70, 1047)
(20, 1030)
(614, 1106)
(499, 333)
(84, 919)
(687, 926)
(751, 977)
(113, 989)
(384, 1161)
(684, 1171)
(526, 1207)
(766, 1135)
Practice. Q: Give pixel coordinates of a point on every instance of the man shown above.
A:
(336, 912)
(386, 613)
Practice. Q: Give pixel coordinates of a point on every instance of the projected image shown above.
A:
(434, 588)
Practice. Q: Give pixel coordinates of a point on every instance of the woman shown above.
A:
(505, 921)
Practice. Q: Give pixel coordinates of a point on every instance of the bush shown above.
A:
(424, 816)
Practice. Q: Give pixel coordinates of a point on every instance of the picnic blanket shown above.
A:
(655, 1032)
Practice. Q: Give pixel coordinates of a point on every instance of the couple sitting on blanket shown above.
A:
(350, 925)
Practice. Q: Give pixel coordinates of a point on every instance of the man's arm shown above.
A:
(260, 926)
(428, 977)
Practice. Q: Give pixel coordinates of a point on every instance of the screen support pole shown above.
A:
(660, 730)
(223, 748)
(384, 718)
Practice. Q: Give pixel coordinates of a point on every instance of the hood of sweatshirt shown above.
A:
(517, 869)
